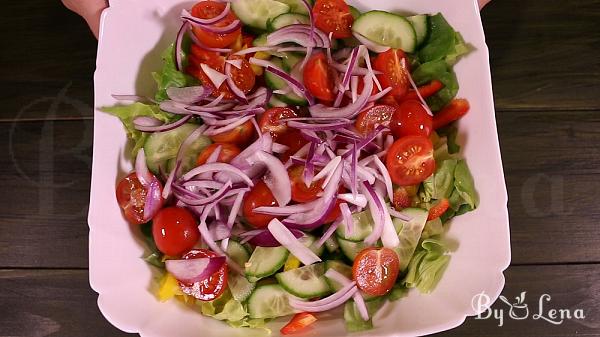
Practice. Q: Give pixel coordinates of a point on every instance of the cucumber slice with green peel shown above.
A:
(275, 102)
(363, 226)
(420, 24)
(387, 29)
(160, 147)
(265, 261)
(239, 286)
(260, 40)
(277, 83)
(351, 248)
(296, 6)
(238, 253)
(290, 60)
(286, 20)
(305, 282)
(409, 234)
(269, 301)
(256, 13)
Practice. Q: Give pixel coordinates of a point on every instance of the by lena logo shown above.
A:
(519, 310)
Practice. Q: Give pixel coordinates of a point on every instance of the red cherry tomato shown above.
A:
(335, 212)
(244, 78)
(375, 270)
(210, 288)
(208, 10)
(394, 72)
(410, 160)
(241, 135)
(368, 119)
(451, 112)
(319, 77)
(411, 118)
(175, 231)
(301, 192)
(293, 140)
(298, 323)
(131, 196)
(259, 195)
(269, 121)
(226, 153)
(333, 16)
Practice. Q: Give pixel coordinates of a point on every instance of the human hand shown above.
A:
(90, 10)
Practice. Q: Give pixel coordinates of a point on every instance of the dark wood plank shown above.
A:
(45, 47)
(60, 303)
(544, 53)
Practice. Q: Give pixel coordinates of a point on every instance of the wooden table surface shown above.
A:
(546, 76)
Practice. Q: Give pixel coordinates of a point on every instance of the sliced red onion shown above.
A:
(280, 148)
(286, 210)
(386, 177)
(215, 131)
(203, 183)
(353, 170)
(278, 180)
(218, 167)
(188, 16)
(328, 233)
(309, 167)
(372, 46)
(350, 110)
(207, 48)
(194, 270)
(287, 239)
(142, 124)
(147, 121)
(178, 42)
(348, 219)
(301, 34)
(354, 91)
(215, 77)
(319, 127)
(344, 295)
(220, 231)
(236, 63)
(311, 136)
(266, 239)
(141, 169)
(292, 82)
(262, 63)
(153, 201)
(207, 236)
(188, 95)
(232, 86)
(324, 206)
(328, 170)
(214, 156)
(358, 299)
(293, 49)
(389, 237)
(399, 215)
(416, 89)
(200, 201)
(230, 28)
(254, 50)
(359, 200)
(235, 209)
(358, 71)
(346, 79)
(368, 63)
(377, 213)
(380, 94)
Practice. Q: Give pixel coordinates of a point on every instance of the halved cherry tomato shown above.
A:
(131, 196)
(450, 113)
(394, 72)
(425, 91)
(298, 323)
(375, 270)
(239, 136)
(438, 209)
(411, 118)
(319, 77)
(259, 195)
(301, 192)
(368, 119)
(244, 78)
(293, 140)
(175, 230)
(269, 121)
(226, 154)
(210, 288)
(410, 160)
(388, 99)
(208, 10)
(200, 55)
(333, 16)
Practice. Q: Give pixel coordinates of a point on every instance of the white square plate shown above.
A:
(133, 35)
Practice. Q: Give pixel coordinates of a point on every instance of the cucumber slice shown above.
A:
(296, 6)
(276, 83)
(351, 248)
(363, 226)
(260, 40)
(286, 20)
(387, 29)
(265, 261)
(308, 240)
(331, 244)
(269, 301)
(256, 13)
(409, 234)
(354, 12)
(239, 286)
(237, 252)
(275, 102)
(420, 24)
(160, 147)
(305, 282)
(290, 60)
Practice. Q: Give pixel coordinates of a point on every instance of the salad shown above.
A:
(297, 158)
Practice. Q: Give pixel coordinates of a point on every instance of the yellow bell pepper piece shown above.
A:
(291, 263)
(261, 56)
(169, 288)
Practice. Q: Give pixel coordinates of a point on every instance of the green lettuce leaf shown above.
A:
(354, 321)
(460, 48)
(398, 291)
(441, 40)
(126, 113)
(432, 228)
(409, 234)
(464, 184)
(169, 76)
(226, 308)
(427, 266)
(450, 132)
(441, 71)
